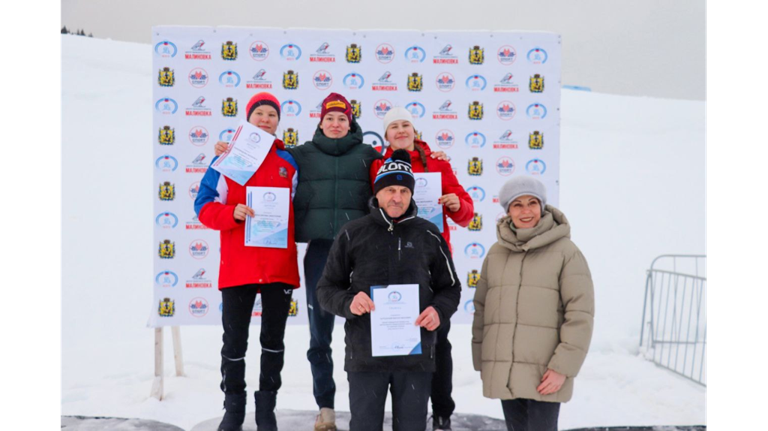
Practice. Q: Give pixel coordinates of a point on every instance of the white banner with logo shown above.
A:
(490, 100)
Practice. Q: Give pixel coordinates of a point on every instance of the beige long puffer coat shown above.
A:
(534, 309)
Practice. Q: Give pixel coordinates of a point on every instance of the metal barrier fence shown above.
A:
(674, 324)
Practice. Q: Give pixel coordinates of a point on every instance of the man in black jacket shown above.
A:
(391, 245)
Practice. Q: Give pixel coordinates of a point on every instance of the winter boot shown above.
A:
(441, 423)
(265, 410)
(234, 404)
(326, 420)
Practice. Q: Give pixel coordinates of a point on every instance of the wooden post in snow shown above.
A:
(177, 356)
(157, 384)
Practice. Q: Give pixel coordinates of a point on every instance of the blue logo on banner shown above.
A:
(291, 108)
(416, 109)
(226, 135)
(469, 307)
(229, 78)
(166, 163)
(474, 250)
(167, 279)
(415, 54)
(536, 111)
(537, 56)
(476, 193)
(476, 83)
(166, 106)
(166, 49)
(475, 140)
(290, 52)
(167, 220)
(354, 81)
(536, 167)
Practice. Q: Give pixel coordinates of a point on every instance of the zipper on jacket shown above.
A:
(335, 195)
(517, 305)
(399, 242)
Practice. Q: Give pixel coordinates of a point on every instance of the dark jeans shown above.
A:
(320, 325)
(368, 396)
(237, 307)
(442, 381)
(530, 415)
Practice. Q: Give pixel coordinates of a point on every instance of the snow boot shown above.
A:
(234, 404)
(265, 410)
(326, 420)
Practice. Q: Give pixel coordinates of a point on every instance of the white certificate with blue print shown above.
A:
(269, 227)
(393, 329)
(247, 150)
(429, 188)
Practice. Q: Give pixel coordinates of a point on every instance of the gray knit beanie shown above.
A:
(520, 186)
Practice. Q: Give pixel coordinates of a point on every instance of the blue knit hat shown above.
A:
(396, 170)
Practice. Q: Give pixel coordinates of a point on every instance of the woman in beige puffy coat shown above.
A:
(534, 310)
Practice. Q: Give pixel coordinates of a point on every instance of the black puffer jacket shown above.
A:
(374, 250)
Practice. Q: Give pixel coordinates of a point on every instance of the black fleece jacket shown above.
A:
(376, 250)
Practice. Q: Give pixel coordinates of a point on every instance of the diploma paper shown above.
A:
(247, 150)
(429, 188)
(393, 332)
(269, 228)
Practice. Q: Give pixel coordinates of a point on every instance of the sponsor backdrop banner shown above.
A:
(490, 100)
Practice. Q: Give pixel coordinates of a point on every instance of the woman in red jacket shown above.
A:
(400, 133)
(245, 271)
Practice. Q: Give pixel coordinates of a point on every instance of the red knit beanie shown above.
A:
(259, 99)
(335, 102)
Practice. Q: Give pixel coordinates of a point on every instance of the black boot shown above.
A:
(265, 410)
(234, 404)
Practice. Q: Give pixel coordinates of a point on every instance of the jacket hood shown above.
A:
(414, 154)
(552, 227)
(381, 217)
(337, 147)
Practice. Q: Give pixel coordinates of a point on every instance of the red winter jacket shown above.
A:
(215, 205)
(464, 215)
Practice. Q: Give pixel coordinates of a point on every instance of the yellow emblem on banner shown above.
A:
(537, 84)
(166, 308)
(536, 140)
(476, 55)
(475, 167)
(418, 136)
(167, 191)
(415, 82)
(355, 108)
(290, 80)
(165, 77)
(290, 137)
(476, 111)
(167, 249)
(229, 107)
(166, 135)
(229, 51)
(476, 224)
(472, 278)
(353, 54)
(294, 310)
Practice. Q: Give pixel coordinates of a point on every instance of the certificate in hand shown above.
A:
(247, 151)
(393, 329)
(269, 227)
(429, 188)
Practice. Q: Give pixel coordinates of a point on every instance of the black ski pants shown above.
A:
(530, 415)
(368, 396)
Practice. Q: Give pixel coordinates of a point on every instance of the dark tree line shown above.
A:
(64, 30)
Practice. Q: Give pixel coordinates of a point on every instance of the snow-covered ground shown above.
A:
(632, 185)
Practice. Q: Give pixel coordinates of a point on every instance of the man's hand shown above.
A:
(220, 147)
(428, 319)
(361, 304)
(451, 201)
(551, 382)
(241, 211)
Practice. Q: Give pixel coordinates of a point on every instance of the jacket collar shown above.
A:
(552, 226)
(381, 218)
(337, 147)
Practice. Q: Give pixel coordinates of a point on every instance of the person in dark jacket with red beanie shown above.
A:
(400, 133)
(246, 271)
